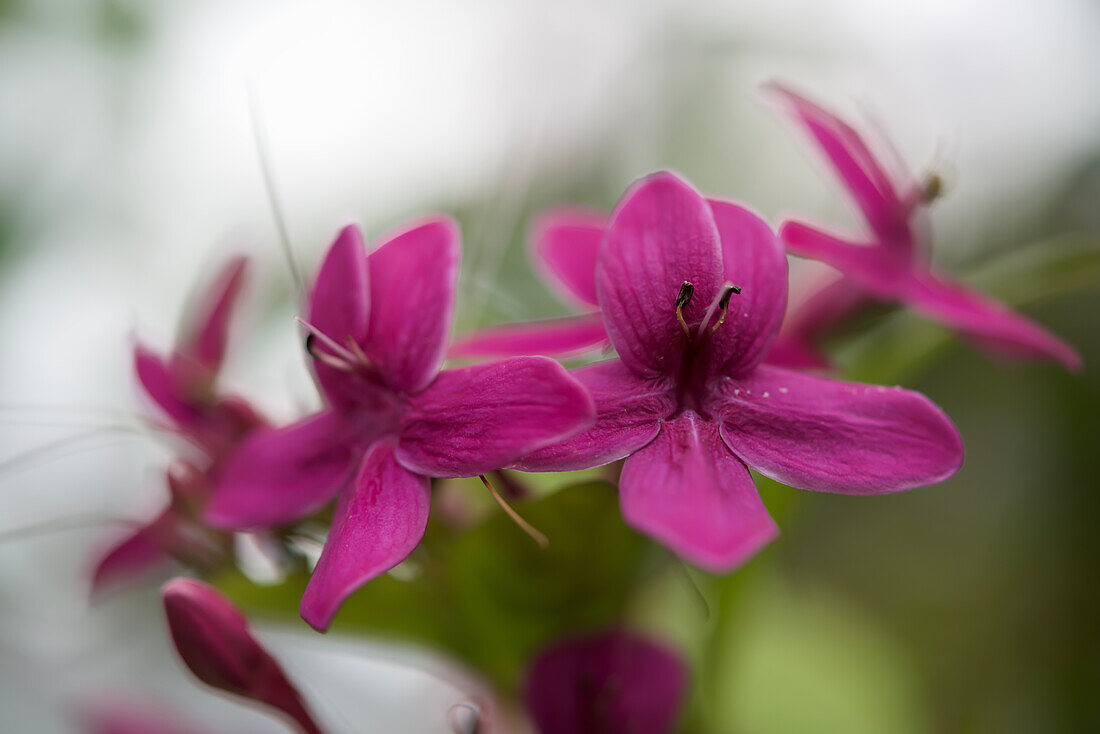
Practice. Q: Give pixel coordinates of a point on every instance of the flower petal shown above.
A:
(629, 410)
(567, 246)
(989, 322)
(832, 436)
(686, 490)
(206, 335)
(280, 475)
(552, 338)
(163, 386)
(661, 234)
(754, 260)
(213, 639)
(340, 308)
(480, 418)
(412, 277)
(379, 520)
(135, 556)
(863, 175)
(611, 683)
(823, 306)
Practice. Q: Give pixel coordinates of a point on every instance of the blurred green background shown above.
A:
(128, 164)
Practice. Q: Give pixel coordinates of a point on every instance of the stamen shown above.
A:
(332, 361)
(721, 303)
(328, 341)
(683, 298)
(723, 306)
(357, 350)
(525, 526)
(931, 187)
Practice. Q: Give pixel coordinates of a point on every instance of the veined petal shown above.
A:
(567, 246)
(661, 235)
(214, 640)
(279, 475)
(379, 520)
(831, 436)
(629, 410)
(865, 178)
(476, 419)
(986, 321)
(340, 308)
(412, 277)
(611, 683)
(206, 335)
(754, 260)
(552, 338)
(687, 491)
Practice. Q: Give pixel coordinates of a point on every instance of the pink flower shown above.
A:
(688, 403)
(612, 683)
(183, 387)
(392, 418)
(213, 639)
(893, 262)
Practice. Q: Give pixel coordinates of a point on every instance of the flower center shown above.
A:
(347, 358)
(718, 308)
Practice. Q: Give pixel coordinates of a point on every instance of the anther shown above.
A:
(683, 298)
(931, 187)
(721, 303)
(321, 356)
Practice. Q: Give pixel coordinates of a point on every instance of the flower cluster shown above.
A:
(713, 376)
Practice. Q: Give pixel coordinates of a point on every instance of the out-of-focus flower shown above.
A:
(214, 641)
(612, 683)
(893, 262)
(119, 716)
(690, 406)
(183, 387)
(379, 326)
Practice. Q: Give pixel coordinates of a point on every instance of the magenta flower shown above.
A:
(183, 387)
(611, 683)
(894, 265)
(392, 419)
(692, 293)
(213, 638)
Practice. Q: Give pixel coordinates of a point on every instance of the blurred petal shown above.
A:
(206, 336)
(865, 178)
(875, 271)
(552, 338)
(213, 639)
(480, 418)
(165, 388)
(753, 259)
(807, 322)
(661, 235)
(629, 410)
(612, 683)
(412, 277)
(686, 490)
(567, 245)
(280, 475)
(379, 520)
(131, 717)
(340, 307)
(831, 436)
(136, 555)
(988, 322)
